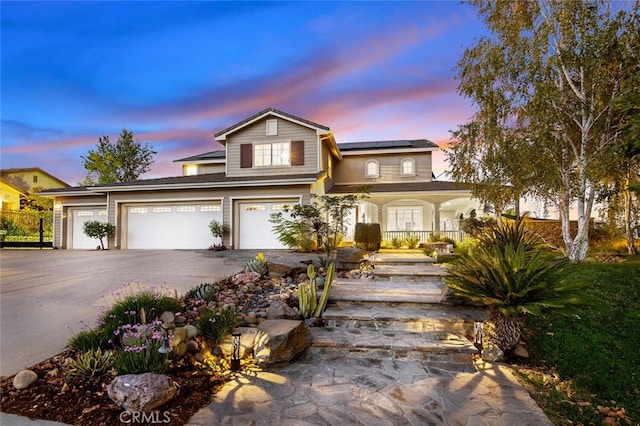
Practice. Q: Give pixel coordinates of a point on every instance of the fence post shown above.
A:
(41, 233)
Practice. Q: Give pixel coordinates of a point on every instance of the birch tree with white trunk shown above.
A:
(544, 83)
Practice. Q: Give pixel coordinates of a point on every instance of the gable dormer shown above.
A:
(276, 143)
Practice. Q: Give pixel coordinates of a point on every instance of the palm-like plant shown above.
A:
(506, 274)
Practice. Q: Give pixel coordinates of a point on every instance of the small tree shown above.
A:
(218, 229)
(99, 230)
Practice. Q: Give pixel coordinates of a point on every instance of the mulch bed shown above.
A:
(87, 403)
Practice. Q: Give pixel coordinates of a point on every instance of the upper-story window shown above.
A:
(35, 178)
(272, 127)
(191, 170)
(271, 154)
(408, 167)
(371, 169)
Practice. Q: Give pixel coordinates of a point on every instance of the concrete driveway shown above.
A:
(44, 292)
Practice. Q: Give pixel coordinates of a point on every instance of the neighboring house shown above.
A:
(270, 160)
(11, 194)
(18, 184)
(32, 178)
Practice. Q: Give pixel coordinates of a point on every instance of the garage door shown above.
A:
(171, 226)
(256, 232)
(78, 238)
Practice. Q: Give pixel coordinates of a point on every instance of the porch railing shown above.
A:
(424, 236)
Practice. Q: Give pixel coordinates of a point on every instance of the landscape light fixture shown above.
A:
(235, 354)
(166, 345)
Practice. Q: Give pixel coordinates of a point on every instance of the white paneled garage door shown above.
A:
(255, 229)
(171, 226)
(81, 215)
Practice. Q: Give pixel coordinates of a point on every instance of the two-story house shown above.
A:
(16, 184)
(269, 160)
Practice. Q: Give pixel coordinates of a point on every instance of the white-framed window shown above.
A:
(162, 209)
(211, 208)
(85, 213)
(372, 169)
(271, 154)
(408, 167)
(191, 170)
(255, 207)
(186, 209)
(272, 127)
(138, 210)
(405, 218)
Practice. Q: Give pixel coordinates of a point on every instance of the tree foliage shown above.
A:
(99, 230)
(123, 161)
(545, 84)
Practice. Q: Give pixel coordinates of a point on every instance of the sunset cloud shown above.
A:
(177, 73)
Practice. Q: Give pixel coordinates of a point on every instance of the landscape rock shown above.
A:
(492, 354)
(141, 392)
(24, 379)
(280, 310)
(520, 351)
(280, 341)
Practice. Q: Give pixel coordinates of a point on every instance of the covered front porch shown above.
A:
(420, 211)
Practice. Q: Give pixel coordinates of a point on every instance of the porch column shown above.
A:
(383, 226)
(436, 218)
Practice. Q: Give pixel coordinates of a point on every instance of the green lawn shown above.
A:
(591, 364)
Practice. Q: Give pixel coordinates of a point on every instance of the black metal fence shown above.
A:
(26, 229)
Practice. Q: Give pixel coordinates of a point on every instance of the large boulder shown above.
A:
(280, 310)
(141, 392)
(280, 341)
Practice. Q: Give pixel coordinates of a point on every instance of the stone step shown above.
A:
(422, 272)
(386, 291)
(381, 259)
(436, 347)
(394, 317)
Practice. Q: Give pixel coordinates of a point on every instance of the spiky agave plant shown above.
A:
(512, 280)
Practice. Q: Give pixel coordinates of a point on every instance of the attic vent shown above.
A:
(272, 127)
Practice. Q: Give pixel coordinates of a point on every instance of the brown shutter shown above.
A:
(297, 153)
(246, 156)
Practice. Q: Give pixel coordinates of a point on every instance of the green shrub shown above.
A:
(397, 242)
(139, 352)
(91, 365)
(89, 339)
(217, 324)
(412, 242)
(128, 308)
(368, 236)
(505, 274)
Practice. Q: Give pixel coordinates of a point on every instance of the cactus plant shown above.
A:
(258, 265)
(308, 293)
(204, 291)
(322, 304)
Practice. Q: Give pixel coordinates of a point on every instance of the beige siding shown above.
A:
(287, 132)
(210, 168)
(351, 170)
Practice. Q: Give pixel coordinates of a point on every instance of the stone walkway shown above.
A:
(372, 392)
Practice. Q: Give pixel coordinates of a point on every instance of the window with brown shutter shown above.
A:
(297, 153)
(246, 154)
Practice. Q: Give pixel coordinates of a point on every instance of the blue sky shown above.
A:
(175, 73)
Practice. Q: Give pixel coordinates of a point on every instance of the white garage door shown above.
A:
(171, 226)
(255, 229)
(79, 239)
